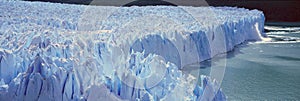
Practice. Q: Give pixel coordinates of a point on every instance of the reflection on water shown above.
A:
(262, 70)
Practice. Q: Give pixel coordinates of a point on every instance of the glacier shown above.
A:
(61, 52)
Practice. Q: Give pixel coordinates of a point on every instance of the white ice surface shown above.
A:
(74, 52)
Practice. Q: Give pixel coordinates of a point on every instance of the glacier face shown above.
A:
(75, 52)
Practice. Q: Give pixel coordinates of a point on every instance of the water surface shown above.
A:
(263, 70)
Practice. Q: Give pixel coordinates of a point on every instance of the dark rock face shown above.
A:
(85, 2)
(149, 3)
(95, 2)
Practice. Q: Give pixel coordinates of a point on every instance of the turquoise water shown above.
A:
(267, 70)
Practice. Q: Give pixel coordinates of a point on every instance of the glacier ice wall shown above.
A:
(74, 52)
